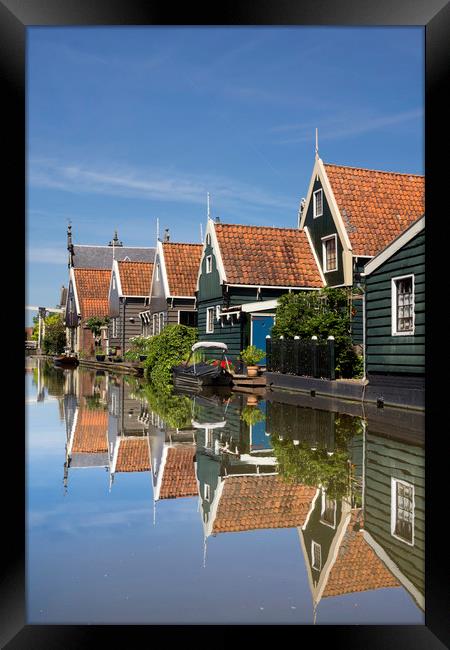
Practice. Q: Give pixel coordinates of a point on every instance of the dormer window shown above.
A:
(209, 264)
(114, 282)
(318, 203)
(208, 239)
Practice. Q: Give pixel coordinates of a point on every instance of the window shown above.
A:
(188, 318)
(318, 203)
(316, 556)
(210, 320)
(114, 281)
(329, 248)
(208, 239)
(403, 305)
(114, 327)
(208, 438)
(209, 264)
(157, 272)
(161, 321)
(402, 511)
(328, 511)
(207, 492)
(155, 324)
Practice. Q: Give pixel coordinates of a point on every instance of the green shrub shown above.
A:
(251, 355)
(321, 313)
(138, 346)
(166, 350)
(174, 410)
(55, 335)
(251, 415)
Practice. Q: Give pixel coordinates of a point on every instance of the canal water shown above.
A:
(147, 507)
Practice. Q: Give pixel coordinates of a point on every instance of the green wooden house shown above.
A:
(243, 270)
(351, 214)
(395, 316)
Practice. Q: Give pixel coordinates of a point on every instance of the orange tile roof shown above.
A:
(90, 436)
(92, 290)
(135, 278)
(182, 263)
(133, 456)
(251, 502)
(376, 206)
(357, 567)
(179, 473)
(259, 255)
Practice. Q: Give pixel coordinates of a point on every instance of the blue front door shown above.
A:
(261, 326)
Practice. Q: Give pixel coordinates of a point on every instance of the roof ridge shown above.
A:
(181, 243)
(111, 247)
(256, 226)
(367, 169)
(133, 262)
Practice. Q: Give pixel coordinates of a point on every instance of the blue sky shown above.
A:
(126, 125)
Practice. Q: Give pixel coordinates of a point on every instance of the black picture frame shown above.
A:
(434, 15)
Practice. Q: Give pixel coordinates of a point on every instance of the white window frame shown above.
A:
(114, 328)
(155, 323)
(157, 272)
(394, 306)
(209, 264)
(315, 194)
(394, 482)
(313, 544)
(208, 438)
(207, 492)
(161, 321)
(322, 511)
(324, 253)
(114, 281)
(208, 239)
(210, 330)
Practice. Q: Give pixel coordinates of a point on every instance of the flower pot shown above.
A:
(100, 357)
(252, 400)
(252, 371)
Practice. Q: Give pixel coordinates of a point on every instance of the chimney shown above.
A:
(166, 235)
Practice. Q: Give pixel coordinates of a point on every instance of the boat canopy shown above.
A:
(209, 344)
(208, 425)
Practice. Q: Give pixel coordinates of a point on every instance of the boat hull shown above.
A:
(66, 362)
(201, 375)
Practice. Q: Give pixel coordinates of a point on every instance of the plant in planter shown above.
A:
(99, 354)
(250, 356)
(251, 415)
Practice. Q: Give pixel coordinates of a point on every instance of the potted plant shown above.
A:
(250, 356)
(252, 416)
(99, 354)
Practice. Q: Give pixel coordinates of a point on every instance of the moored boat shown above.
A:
(66, 361)
(201, 374)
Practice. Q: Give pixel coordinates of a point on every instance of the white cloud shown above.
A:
(149, 184)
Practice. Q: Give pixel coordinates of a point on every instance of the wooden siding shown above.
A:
(128, 308)
(324, 226)
(387, 353)
(385, 459)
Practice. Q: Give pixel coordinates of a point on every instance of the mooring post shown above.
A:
(314, 355)
(268, 353)
(331, 355)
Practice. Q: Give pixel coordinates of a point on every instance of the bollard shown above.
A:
(331, 357)
(314, 355)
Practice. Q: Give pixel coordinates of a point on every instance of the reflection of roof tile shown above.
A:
(376, 206)
(179, 473)
(133, 456)
(135, 278)
(90, 432)
(92, 290)
(250, 502)
(357, 567)
(182, 262)
(259, 255)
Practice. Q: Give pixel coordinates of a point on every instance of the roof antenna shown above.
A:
(317, 143)
(157, 228)
(201, 233)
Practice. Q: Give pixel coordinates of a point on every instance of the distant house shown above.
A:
(89, 266)
(128, 292)
(395, 315)
(172, 292)
(87, 296)
(243, 270)
(350, 214)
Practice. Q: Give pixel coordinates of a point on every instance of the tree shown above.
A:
(55, 334)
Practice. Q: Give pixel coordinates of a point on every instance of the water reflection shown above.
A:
(352, 487)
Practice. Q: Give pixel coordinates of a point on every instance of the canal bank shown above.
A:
(129, 367)
(391, 394)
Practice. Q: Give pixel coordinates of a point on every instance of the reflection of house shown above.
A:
(394, 504)
(243, 270)
(87, 445)
(351, 214)
(128, 292)
(172, 291)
